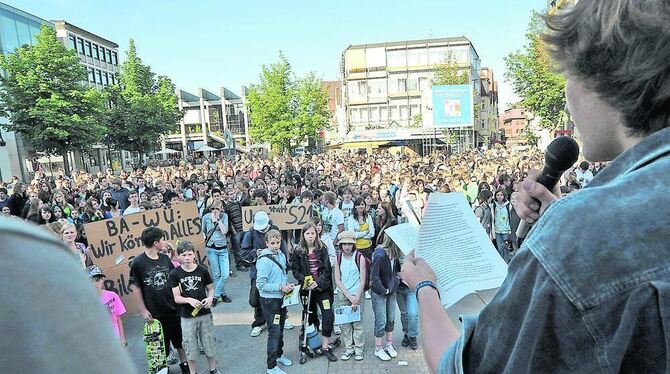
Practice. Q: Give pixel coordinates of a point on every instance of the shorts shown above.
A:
(171, 332)
(198, 327)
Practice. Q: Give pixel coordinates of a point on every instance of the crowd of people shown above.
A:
(342, 255)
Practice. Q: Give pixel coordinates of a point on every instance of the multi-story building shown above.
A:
(384, 87)
(99, 55)
(513, 122)
(334, 89)
(209, 119)
(488, 110)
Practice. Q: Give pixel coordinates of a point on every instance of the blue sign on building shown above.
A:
(452, 106)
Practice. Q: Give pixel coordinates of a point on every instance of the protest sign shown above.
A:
(115, 242)
(284, 216)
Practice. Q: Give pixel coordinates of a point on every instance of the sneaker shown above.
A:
(225, 299)
(358, 356)
(275, 370)
(413, 343)
(257, 331)
(329, 354)
(382, 355)
(337, 330)
(367, 295)
(391, 351)
(216, 300)
(172, 358)
(284, 361)
(405, 341)
(337, 291)
(288, 325)
(347, 354)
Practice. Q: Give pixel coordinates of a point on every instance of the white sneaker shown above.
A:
(367, 295)
(347, 354)
(288, 325)
(172, 358)
(382, 355)
(391, 351)
(337, 291)
(284, 361)
(256, 331)
(275, 370)
(337, 330)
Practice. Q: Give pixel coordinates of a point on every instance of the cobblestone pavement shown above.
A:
(238, 352)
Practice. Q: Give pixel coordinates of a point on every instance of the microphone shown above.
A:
(561, 154)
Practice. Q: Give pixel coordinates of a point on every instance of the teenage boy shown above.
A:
(347, 204)
(149, 283)
(134, 207)
(272, 283)
(193, 290)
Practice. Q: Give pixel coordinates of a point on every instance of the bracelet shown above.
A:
(425, 283)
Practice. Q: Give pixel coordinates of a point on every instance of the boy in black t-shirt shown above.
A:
(149, 281)
(193, 290)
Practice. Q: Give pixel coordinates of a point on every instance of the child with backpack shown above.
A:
(272, 283)
(351, 272)
(385, 280)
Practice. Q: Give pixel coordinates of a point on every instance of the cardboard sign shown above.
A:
(115, 242)
(284, 216)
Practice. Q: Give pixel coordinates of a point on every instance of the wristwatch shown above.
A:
(423, 284)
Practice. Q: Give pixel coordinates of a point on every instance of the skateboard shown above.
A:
(155, 346)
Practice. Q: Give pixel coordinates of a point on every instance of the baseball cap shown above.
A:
(261, 221)
(95, 270)
(346, 237)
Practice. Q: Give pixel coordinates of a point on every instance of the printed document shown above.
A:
(455, 245)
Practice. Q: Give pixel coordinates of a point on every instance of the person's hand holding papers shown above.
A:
(415, 270)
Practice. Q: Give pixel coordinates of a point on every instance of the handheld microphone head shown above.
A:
(561, 153)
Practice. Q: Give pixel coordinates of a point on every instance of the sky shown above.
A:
(209, 44)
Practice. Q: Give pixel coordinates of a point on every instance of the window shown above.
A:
(402, 85)
(91, 75)
(395, 114)
(364, 114)
(384, 114)
(112, 79)
(355, 115)
(397, 58)
(377, 87)
(89, 53)
(362, 88)
(105, 78)
(80, 45)
(413, 84)
(423, 83)
(414, 109)
(374, 114)
(73, 42)
(109, 56)
(96, 55)
(114, 59)
(102, 54)
(403, 112)
(99, 77)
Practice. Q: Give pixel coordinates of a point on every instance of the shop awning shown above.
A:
(355, 145)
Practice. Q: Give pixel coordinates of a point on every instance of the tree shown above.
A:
(284, 110)
(45, 97)
(531, 72)
(449, 73)
(143, 107)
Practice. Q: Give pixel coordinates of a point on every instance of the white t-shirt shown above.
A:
(131, 210)
(583, 177)
(347, 208)
(332, 218)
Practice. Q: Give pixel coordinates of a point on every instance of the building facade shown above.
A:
(488, 109)
(385, 84)
(99, 55)
(217, 120)
(513, 122)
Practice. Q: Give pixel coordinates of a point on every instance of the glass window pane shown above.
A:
(114, 59)
(9, 38)
(23, 30)
(99, 77)
(80, 45)
(73, 42)
(88, 49)
(105, 79)
(34, 30)
(109, 56)
(91, 75)
(95, 52)
(103, 57)
(111, 77)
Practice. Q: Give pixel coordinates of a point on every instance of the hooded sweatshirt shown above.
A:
(269, 276)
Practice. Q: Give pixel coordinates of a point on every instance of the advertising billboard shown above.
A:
(452, 106)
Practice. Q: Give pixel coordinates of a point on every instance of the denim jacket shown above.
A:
(586, 293)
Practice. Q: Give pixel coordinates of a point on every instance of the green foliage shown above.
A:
(46, 100)
(417, 120)
(284, 109)
(541, 89)
(450, 73)
(530, 137)
(143, 107)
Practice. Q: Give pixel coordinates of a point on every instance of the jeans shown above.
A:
(220, 268)
(275, 315)
(236, 245)
(500, 244)
(383, 307)
(409, 311)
